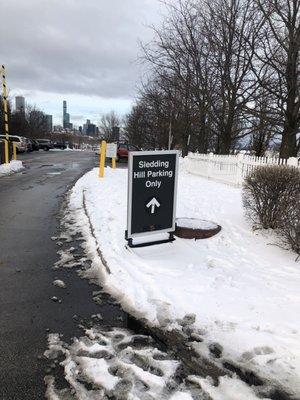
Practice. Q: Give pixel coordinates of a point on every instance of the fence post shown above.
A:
(292, 162)
(209, 165)
(239, 169)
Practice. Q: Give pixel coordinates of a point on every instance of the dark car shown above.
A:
(60, 145)
(124, 149)
(32, 145)
(45, 144)
(35, 145)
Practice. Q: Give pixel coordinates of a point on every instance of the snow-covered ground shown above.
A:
(13, 166)
(242, 289)
(116, 364)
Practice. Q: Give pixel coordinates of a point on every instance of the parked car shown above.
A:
(124, 149)
(45, 144)
(21, 142)
(35, 144)
(29, 144)
(60, 145)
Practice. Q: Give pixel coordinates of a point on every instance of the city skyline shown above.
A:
(19, 104)
(99, 75)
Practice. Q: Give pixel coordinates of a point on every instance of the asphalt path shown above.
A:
(30, 203)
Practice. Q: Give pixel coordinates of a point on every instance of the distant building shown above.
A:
(20, 104)
(49, 123)
(57, 128)
(66, 117)
(85, 126)
(90, 129)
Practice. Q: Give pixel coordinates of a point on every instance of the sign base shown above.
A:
(134, 245)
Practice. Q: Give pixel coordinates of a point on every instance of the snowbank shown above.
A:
(68, 149)
(13, 166)
(243, 290)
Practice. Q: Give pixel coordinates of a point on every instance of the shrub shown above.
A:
(267, 192)
(290, 222)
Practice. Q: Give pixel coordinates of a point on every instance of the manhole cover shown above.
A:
(194, 228)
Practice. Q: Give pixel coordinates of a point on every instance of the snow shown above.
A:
(13, 166)
(117, 363)
(181, 396)
(59, 283)
(242, 288)
(228, 389)
(66, 260)
(97, 372)
(194, 223)
(67, 149)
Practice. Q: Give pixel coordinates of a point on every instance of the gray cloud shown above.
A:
(75, 46)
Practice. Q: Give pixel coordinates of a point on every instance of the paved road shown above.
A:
(29, 204)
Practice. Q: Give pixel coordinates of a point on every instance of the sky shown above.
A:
(85, 52)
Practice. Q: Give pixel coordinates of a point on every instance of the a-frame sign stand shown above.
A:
(152, 193)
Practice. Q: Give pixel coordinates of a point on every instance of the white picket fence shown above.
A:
(231, 169)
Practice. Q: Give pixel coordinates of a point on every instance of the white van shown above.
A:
(20, 141)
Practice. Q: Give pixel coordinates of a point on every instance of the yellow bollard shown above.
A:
(113, 162)
(6, 152)
(15, 151)
(102, 159)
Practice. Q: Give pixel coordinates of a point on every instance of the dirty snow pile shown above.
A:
(116, 364)
(13, 166)
(66, 149)
(241, 290)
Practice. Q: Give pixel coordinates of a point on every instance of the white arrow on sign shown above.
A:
(153, 203)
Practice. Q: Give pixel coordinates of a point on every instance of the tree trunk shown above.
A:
(288, 146)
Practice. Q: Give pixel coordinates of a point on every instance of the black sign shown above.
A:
(152, 186)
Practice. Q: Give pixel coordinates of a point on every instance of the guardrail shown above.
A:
(231, 169)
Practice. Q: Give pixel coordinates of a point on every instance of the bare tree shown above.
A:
(107, 124)
(37, 122)
(19, 124)
(277, 68)
(178, 56)
(204, 51)
(263, 122)
(231, 28)
(223, 73)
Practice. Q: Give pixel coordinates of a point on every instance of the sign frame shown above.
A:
(109, 147)
(129, 235)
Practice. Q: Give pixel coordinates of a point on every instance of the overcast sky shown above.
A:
(82, 51)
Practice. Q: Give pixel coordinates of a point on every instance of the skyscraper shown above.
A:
(66, 116)
(90, 129)
(49, 123)
(20, 104)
